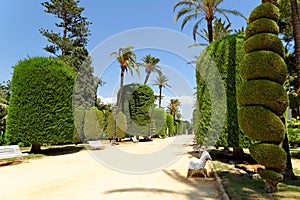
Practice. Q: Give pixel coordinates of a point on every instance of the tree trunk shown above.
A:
(288, 172)
(271, 186)
(35, 148)
(147, 77)
(238, 153)
(210, 30)
(160, 89)
(296, 34)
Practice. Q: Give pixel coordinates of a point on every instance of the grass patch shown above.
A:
(239, 187)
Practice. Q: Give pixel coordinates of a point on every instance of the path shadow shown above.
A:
(57, 151)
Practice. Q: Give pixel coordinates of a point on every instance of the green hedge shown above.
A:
(226, 55)
(110, 125)
(269, 11)
(264, 41)
(264, 93)
(159, 116)
(264, 65)
(40, 110)
(262, 25)
(270, 174)
(170, 123)
(261, 124)
(79, 116)
(93, 126)
(121, 125)
(270, 155)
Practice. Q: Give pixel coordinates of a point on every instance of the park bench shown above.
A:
(134, 139)
(96, 145)
(198, 164)
(11, 151)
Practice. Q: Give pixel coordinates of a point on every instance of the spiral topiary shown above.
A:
(262, 98)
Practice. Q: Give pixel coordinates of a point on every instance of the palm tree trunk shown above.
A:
(210, 30)
(147, 77)
(160, 89)
(296, 34)
(119, 99)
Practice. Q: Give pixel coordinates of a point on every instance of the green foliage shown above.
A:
(267, 10)
(93, 124)
(270, 155)
(79, 118)
(40, 110)
(159, 116)
(264, 41)
(74, 27)
(264, 65)
(264, 93)
(141, 102)
(110, 125)
(270, 175)
(121, 125)
(170, 123)
(225, 55)
(262, 25)
(261, 124)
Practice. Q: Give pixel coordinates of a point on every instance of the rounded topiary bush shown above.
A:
(266, 10)
(264, 93)
(40, 110)
(264, 65)
(262, 25)
(270, 155)
(270, 174)
(261, 124)
(264, 41)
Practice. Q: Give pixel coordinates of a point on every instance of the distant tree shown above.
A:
(73, 25)
(127, 60)
(150, 63)
(200, 10)
(161, 81)
(173, 108)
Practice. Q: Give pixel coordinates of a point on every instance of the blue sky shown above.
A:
(20, 38)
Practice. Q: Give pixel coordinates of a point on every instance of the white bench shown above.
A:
(11, 151)
(198, 164)
(96, 145)
(134, 139)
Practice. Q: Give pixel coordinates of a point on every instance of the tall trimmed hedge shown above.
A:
(159, 116)
(40, 110)
(110, 125)
(93, 124)
(262, 97)
(224, 54)
(137, 103)
(121, 125)
(170, 123)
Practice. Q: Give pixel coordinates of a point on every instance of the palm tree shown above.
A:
(202, 10)
(296, 34)
(220, 29)
(173, 108)
(127, 59)
(150, 62)
(161, 81)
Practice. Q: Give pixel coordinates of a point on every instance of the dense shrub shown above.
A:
(269, 89)
(263, 93)
(226, 55)
(262, 25)
(170, 124)
(110, 125)
(261, 124)
(79, 116)
(264, 65)
(40, 110)
(93, 124)
(159, 116)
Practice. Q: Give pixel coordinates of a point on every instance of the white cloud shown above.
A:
(107, 99)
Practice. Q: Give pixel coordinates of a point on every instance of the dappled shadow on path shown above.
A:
(201, 188)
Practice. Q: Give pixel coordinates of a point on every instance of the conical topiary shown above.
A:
(262, 97)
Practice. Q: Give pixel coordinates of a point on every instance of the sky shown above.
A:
(146, 25)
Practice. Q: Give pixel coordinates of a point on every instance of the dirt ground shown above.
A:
(81, 176)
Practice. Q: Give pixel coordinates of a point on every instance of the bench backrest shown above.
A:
(9, 150)
(96, 143)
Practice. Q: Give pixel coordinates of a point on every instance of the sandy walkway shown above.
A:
(80, 176)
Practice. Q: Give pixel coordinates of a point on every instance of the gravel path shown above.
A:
(81, 176)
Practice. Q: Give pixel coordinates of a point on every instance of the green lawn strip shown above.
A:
(240, 187)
